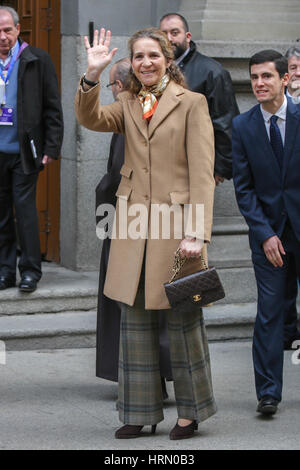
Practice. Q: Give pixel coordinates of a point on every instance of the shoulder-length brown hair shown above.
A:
(157, 35)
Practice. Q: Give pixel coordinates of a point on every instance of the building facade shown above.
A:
(228, 30)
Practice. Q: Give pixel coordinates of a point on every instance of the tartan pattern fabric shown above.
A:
(140, 400)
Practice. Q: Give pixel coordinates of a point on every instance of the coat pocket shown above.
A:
(124, 191)
(180, 197)
(35, 141)
(126, 171)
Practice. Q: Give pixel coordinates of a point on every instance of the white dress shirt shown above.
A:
(182, 56)
(281, 121)
(6, 61)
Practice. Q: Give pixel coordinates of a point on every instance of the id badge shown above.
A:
(6, 116)
(2, 92)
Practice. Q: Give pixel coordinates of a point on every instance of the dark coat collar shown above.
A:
(291, 131)
(27, 55)
(193, 49)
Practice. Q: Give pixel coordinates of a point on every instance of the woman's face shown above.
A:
(148, 62)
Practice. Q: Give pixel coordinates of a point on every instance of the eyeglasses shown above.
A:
(111, 84)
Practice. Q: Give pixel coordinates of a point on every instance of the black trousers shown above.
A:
(273, 285)
(18, 191)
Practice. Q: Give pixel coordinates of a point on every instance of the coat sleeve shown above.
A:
(52, 110)
(200, 154)
(95, 117)
(223, 108)
(247, 199)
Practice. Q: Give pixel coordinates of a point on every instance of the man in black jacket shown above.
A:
(31, 131)
(205, 75)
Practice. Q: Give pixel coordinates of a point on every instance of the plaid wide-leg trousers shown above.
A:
(140, 400)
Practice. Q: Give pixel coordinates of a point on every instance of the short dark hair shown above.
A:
(182, 18)
(122, 71)
(292, 51)
(269, 55)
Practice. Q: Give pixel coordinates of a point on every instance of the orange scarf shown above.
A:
(148, 96)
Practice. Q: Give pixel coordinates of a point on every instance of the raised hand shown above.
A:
(98, 56)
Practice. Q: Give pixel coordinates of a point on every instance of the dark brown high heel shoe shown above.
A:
(129, 431)
(183, 432)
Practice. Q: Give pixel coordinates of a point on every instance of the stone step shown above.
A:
(77, 329)
(59, 290)
(62, 290)
(239, 285)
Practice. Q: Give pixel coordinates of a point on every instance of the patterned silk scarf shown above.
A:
(147, 96)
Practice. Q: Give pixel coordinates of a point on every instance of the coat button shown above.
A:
(146, 170)
(146, 197)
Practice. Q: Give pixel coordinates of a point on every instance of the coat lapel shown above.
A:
(136, 113)
(169, 100)
(292, 125)
(26, 57)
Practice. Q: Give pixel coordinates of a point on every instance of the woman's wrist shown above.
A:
(92, 75)
(190, 239)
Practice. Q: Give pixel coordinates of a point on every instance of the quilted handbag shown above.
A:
(200, 288)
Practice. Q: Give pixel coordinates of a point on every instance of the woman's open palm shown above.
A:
(99, 56)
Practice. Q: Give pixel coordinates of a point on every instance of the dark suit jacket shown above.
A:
(107, 187)
(39, 108)
(207, 76)
(266, 196)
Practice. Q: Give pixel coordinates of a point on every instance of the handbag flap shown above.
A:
(194, 286)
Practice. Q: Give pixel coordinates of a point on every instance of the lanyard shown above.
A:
(10, 66)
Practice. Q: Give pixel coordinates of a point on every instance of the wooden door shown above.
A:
(40, 27)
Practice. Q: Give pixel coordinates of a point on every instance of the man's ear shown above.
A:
(188, 36)
(119, 84)
(285, 79)
(18, 28)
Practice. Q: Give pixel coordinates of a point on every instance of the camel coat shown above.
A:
(169, 161)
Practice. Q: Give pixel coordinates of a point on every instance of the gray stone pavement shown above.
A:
(51, 399)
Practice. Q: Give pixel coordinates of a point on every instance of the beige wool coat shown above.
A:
(168, 161)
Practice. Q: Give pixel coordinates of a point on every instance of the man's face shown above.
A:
(266, 83)
(179, 39)
(8, 32)
(294, 74)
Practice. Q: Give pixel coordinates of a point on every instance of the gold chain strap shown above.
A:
(179, 262)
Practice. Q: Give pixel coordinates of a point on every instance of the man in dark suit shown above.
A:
(31, 131)
(266, 174)
(291, 332)
(293, 88)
